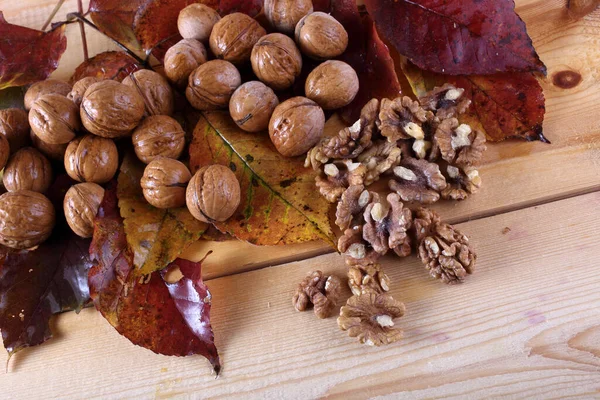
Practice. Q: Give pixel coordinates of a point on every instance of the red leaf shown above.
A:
(167, 318)
(28, 55)
(108, 65)
(457, 36)
(115, 19)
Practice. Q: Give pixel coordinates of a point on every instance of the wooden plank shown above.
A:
(525, 325)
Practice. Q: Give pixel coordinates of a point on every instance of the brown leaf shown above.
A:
(107, 65)
(279, 203)
(115, 19)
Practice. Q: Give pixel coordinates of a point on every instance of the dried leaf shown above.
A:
(107, 65)
(115, 19)
(458, 37)
(279, 205)
(155, 236)
(28, 55)
(167, 317)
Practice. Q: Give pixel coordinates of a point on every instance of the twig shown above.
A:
(53, 14)
(82, 30)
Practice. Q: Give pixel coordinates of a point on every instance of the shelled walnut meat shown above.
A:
(213, 194)
(41, 88)
(164, 183)
(285, 14)
(333, 84)
(4, 151)
(81, 205)
(196, 21)
(54, 119)
(211, 85)
(320, 36)
(182, 59)
(276, 61)
(79, 88)
(92, 158)
(154, 89)
(27, 169)
(14, 126)
(158, 136)
(233, 37)
(252, 105)
(26, 219)
(320, 290)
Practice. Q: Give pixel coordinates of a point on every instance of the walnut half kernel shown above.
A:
(319, 290)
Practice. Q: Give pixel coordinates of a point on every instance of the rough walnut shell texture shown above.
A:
(26, 219)
(213, 194)
(4, 151)
(14, 126)
(252, 105)
(53, 151)
(81, 205)
(49, 86)
(296, 126)
(276, 61)
(54, 119)
(196, 21)
(92, 159)
(233, 37)
(111, 109)
(212, 84)
(27, 169)
(285, 14)
(320, 36)
(79, 88)
(164, 183)
(154, 89)
(333, 84)
(182, 59)
(158, 136)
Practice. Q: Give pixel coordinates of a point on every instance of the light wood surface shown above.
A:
(525, 325)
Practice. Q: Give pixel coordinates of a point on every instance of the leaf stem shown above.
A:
(82, 30)
(52, 14)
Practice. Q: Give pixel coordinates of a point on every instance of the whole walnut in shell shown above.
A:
(79, 88)
(14, 126)
(296, 125)
(182, 59)
(164, 183)
(155, 90)
(333, 84)
(196, 21)
(92, 159)
(26, 219)
(276, 61)
(252, 105)
(4, 151)
(233, 37)
(213, 194)
(285, 14)
(54, 119)
(320, 36)
(27, 169)
(111, 109)
(158, 136)
(211, 85)
(52, 151)
(81, 205)
(41, 88)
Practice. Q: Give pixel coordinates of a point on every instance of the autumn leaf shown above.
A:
(155, 236)
(115, 19)
(457, 36)
(169, 317)
(28, 55)
(506, 105)
(107, 65)
(12, 97)
(278, 200)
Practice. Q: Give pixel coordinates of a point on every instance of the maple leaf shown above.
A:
(28, 55)
(278, 201)
(457, 36)
(168, 317)
(115, 65)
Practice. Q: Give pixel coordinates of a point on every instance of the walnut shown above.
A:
(333, 84)
(158, 136)
(370, 318)
(4, 151)
(458, 144)
(211, 85)
(418, 180)
(26, 219)
(81, 205)
(320, 36)
(154, 89)
(462, 181)
(276, 61)
(91, 158)
(386, 225)
(14, 126)
(380, 158)
(213, 194)
(355, 249)
(367, 278)
(446, 101)
(285, 14)
(233, 37)
(41, 88)
(252, 105)
(164, 183)
(53, 151)
(196, 21)
(182, 59)
(79, 88)
(338, 176)
(27, 169)
(320, 290)
(54, 119)
(352, 203)
(402, 118)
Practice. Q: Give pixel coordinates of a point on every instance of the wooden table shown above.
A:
(526, 325)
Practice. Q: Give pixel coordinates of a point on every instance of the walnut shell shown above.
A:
(79, 88)
(4, 151)
(276, 61)
(158, 136)
(296, 126)
(196, 21)
(52, 151)
(26, 219)
(213, 194)
(333, 84)
(81, 205)
(233, 37)
(14, 126)
(111, 109)
(155, 90)
(164, 183)
(49, 86)
(252, 105)
(182, 59)
(91, 159)
(285, 14)
(27, 169)
(54, 119)
(320, 36)
(211, 85)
